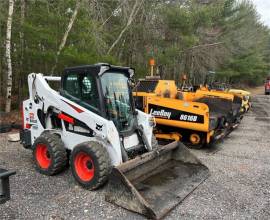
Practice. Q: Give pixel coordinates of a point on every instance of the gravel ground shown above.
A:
(239, 186)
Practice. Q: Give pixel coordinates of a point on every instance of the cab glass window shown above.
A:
(89, 93)
(72, 85)
(82, 89)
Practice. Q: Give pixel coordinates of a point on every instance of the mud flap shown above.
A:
(154, 183)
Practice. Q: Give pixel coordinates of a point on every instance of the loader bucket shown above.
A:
(154, 183)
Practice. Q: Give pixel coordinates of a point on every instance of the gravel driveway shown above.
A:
(239, 186)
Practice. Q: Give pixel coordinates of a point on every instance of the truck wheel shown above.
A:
(197, 141)
(90, 164)
(49, 154)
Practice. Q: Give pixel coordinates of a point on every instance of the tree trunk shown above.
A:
(21, 34)
(64, 39)
(8, 56)
(133, 13)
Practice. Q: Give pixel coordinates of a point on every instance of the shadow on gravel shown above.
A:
(260, 112)
(264, 119)
(212, 149)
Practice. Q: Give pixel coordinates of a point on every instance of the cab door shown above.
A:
(80, 87)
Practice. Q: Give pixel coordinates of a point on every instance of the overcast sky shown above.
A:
(263, 7)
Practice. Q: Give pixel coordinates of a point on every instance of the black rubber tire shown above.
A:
(4, 128)
(101, 160)
(57, 152)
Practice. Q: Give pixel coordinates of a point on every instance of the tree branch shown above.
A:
(133, 14)
(64, 39)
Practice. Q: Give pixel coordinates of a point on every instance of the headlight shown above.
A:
(152, 121)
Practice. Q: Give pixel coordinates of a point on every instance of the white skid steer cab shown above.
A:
(92, 122)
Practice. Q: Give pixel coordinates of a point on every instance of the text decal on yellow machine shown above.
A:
(174, 114)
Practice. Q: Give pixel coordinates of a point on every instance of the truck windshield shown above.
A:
(117, 100)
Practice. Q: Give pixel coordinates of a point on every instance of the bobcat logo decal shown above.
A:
(99, 127)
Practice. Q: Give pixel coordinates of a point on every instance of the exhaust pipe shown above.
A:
(154, 183)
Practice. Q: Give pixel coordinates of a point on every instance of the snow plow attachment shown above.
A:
(154, 183)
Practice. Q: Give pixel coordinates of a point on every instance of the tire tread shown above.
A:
(103, 160)
(58, 151)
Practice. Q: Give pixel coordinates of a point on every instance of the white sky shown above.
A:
(263, 7)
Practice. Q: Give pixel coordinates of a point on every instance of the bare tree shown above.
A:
(133, 14)
(113, 11)
(8, 56)
(21, 34)
(64, 39)
(200, 59)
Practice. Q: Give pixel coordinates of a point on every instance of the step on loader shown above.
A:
(177, 119)
(92, 122)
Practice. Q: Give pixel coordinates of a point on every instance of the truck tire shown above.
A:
(49, 154)
(90, 164)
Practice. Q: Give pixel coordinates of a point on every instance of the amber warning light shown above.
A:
(152, 62)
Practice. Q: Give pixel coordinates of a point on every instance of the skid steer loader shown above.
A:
(177, 119)
(92, 122)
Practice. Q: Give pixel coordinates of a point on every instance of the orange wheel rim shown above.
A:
(43, 156)
(84, 166)
(195, 139)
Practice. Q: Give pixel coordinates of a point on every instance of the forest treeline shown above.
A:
(192, 37)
